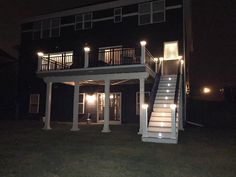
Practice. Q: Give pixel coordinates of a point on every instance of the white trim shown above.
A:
(31, 103)
(118, 15)
(138, 103)
(109, 18)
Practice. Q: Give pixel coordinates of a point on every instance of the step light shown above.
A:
(168, 85)
(167, 91)
(160, 135)
(162, 124)
(169, 79)
(166, 98)
(165, 105)
(163, 114)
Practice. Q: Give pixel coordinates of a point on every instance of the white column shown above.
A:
(39, 63)
(141, 101)
(106, 128)
(48, 106)
(173, 121)
(143, 44)
(75, 108)
(145, 122)
(86, 57)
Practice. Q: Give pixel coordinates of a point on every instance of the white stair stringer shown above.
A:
(159, 126)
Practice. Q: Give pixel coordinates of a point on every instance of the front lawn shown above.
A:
(28, 151)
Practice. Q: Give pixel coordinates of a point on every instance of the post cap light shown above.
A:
(145, 106)
(180, 57)
(182, 61)
(161, 58)
(40, 54)
(173, 106)
(155, 59)
(86, 49)
(143, 43)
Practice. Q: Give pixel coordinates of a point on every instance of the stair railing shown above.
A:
(174, 106)
(154, 91)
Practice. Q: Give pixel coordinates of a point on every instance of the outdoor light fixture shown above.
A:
(90, 98)
(40, 54)
(111, 96)
(180, 57)
(173, 106)
(143, 43)
(155, 59)
(86, 49)
(161, 58)
(182, 61)
(145, 106)
(206, 90)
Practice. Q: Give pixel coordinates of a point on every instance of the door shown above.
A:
(115, 108)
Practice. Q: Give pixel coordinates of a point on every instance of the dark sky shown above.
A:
(213, 61)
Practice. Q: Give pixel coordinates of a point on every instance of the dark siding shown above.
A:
(68, 19)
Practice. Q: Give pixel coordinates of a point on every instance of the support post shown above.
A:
(173, 121)
(141, 102)
(86, 57)
(48, 106)
(143, 44)
(106, 128)
(75, 108)
(181, 105)
(145, 122)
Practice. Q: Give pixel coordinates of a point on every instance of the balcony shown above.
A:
(112, 59)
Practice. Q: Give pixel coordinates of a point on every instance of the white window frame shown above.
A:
(34, 104)
(84, 21)
(151, 13)
(138, 102)
(118, 15)
(82, 103)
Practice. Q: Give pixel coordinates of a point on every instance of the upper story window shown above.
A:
(117, 15)
(83, 21)
(152, 12)
(34, 103)
(46, 28)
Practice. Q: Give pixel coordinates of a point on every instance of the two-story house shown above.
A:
(115, 62)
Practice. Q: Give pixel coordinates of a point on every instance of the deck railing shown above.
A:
(149, 60)
(56, 62)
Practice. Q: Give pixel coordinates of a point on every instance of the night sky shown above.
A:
(212, 62)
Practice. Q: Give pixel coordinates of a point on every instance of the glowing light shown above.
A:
(182, 62)
(161, 58)
(160, 134)
(166, 98)
(163, 114)
(168, 85)
(180, 57)
(165, 105)
(143, 43)
(169, 79)
(167, 91)
(145, 106)
(86, 49)
(206, 90)
(162, 124)
(155, 59)
(40, 54)
(173, 106)
(90, 98)
(111, 96)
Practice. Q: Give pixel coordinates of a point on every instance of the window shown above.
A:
(34, 103)
(81, 103)
(37, 30)
(146, 99)
(171, 50)
(46, 29)
(83, 21)
(152, 12)
(117, 15)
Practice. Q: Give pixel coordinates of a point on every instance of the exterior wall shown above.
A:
(105, 33)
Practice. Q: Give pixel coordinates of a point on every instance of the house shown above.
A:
(8, 95)
(104, 63)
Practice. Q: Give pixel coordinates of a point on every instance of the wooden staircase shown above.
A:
(159, 128)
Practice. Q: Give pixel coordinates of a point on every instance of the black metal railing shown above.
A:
(117, 56)
(154, 92)
(177, 85)
(57, 62)
(149, 60)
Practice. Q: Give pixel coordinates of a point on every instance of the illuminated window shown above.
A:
(171, 50)
(34, 103)
(117, 15)
(146, 99)
(83, 21)
(152, 12)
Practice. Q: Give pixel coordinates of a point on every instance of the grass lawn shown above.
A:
(28, 151)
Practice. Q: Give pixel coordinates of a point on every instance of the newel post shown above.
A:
(86, 57)
(145, 120)
(143, 44)
(40, 55)
(173, 120)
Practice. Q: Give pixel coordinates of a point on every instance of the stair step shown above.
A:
(161, 105)
(158, 114)
(161, 101)
(159, 129)
(159, 124)
(165, 97)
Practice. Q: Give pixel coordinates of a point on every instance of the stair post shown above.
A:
(86, 57)
(145, 123)
(173, 121)
(143, 44)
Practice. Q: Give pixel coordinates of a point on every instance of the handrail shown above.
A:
(177, 85)
(154, 92)
(149, 59)
(62, 63)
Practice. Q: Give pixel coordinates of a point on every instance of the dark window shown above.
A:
(83, 21)
(117, 15)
